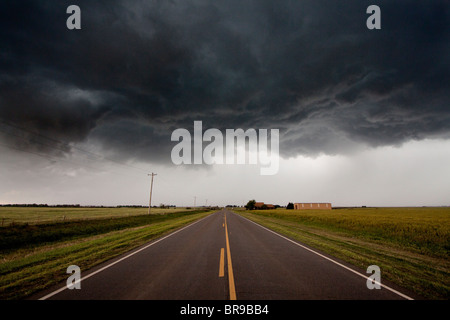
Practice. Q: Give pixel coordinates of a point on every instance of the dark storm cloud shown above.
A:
(140, 69)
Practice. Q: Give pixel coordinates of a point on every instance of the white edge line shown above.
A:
(121, 259)
(331, 260)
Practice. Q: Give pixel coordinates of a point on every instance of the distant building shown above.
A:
(308, 206)
(262, 205)
(258, 205)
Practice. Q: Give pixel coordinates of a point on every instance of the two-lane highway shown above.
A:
(220, 257)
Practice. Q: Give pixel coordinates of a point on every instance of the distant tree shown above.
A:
(290, 206)
(264, 207)
(250, 205)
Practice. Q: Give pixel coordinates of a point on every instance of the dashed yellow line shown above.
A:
(230, 265)
(222, 263)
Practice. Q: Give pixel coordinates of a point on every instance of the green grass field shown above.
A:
(410, 245)
(36, 256)
(38, 215)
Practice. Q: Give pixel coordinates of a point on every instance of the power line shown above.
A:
(96, 156)
(38, 142)
(46, 156)
(151, 189)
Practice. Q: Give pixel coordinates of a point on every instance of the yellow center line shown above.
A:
(230, 266)
(222, 263)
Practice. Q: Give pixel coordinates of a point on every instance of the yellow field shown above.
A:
(411, 245)
(422, 228)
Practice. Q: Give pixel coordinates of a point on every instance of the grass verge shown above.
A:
(25, 235)
(35, 266)
(410, 246)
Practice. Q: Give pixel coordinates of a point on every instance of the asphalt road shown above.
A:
(224, 256)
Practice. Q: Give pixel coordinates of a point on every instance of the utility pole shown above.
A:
(151, 188)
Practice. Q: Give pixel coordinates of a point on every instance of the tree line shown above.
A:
(251, 205)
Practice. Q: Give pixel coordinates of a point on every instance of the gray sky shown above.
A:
(364, 115)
